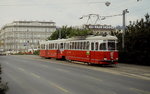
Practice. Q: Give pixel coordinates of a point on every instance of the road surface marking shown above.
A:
(94, 78)
(135, 76)
(22, 83)
(123, 74)
(146, 74)
(35, 75)
(98, 69)
(62, 70)
(57, 86)
(140, 91)
(21, 69)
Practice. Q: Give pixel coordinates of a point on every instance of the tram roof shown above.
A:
(108, 37)
(59, 40)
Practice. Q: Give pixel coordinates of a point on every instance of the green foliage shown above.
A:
(137, 41)
(67, 32)
(3, 86)
(36, 52)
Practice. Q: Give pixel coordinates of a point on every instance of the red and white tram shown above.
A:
(94, 50)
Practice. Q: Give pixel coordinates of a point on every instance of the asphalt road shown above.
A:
(34, 75)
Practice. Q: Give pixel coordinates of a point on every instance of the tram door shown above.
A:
(92, 52)
(58, 51)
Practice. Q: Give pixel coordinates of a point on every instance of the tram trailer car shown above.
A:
(94, 50)
(43, 49)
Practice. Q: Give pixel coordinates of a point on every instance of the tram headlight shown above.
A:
(105, 58)
(116, 58)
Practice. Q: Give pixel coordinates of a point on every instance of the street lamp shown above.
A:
(95, 15)
(123, 26)
(107, 3)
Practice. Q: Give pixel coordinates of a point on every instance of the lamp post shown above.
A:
(59, 32)
(124, 25)
(107, 3)
(95, 15)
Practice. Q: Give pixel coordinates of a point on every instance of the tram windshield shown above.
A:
(111, 45)
(108, 45)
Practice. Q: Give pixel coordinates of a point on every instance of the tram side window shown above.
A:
(61, 46)
(46, 46)
(84, 45)
(78, 45)
(67, 45)
(49, 46)
(75, 45)
(64, 46)
(70, 45)
(102, 46)
(52, 46)
(58, 46)
(81, 45)
(96, 46)
(92, 46)
(87, 45)
(55, 45)
(43, 46)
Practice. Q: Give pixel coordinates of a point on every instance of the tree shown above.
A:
(68, 32)
(3, 86)
(137, 42)
(1, 43)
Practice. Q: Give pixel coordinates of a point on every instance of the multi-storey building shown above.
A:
(22, 36)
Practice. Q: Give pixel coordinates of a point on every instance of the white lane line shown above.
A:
(135, 76)
(103, 70)
(21, 69)
(146, 74)
(62, 70)
(93, 78)
(139, 91)
(35, 75)
(58, 87)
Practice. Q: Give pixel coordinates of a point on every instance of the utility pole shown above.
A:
(124, 25)
(59, 33)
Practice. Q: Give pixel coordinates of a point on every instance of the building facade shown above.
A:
(24, 36)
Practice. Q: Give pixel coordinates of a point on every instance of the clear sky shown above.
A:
(68, 12)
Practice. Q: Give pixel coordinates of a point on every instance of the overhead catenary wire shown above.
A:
(98, 17)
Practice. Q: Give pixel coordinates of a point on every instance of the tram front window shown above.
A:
(111, 45)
